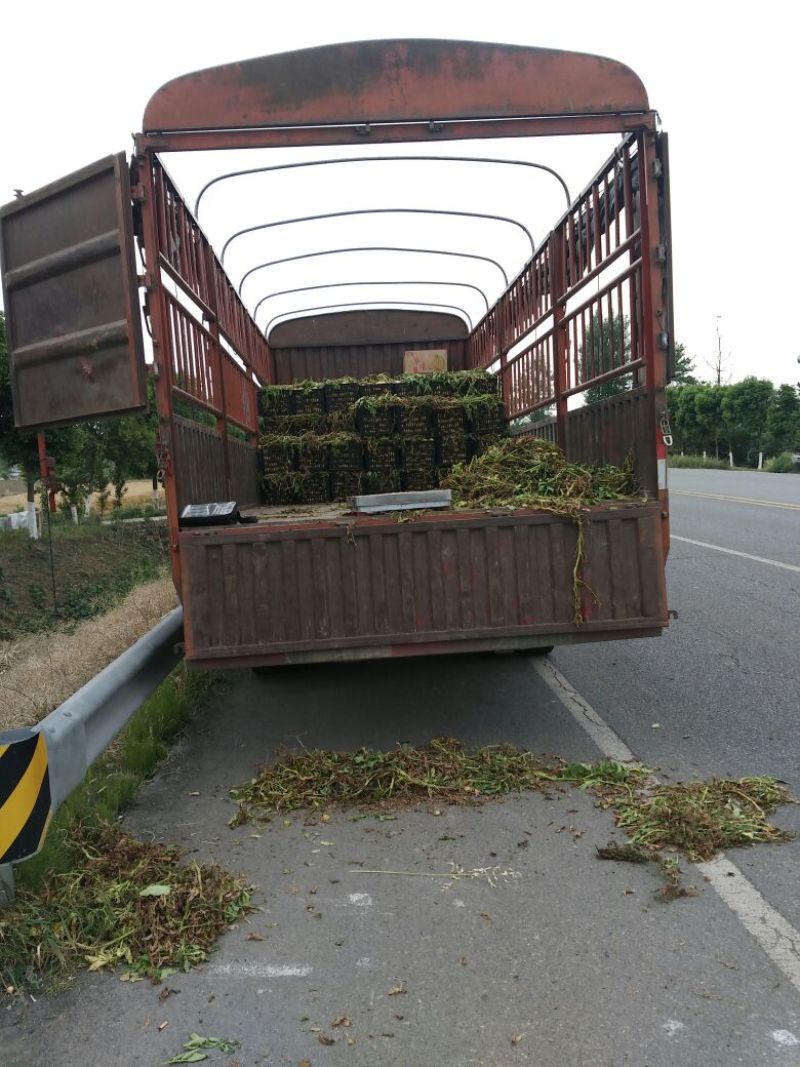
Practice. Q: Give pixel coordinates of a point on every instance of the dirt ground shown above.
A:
(39, 671)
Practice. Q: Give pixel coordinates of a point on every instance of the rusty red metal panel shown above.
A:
(245, 482)
(354, 361)
(395, 80)
(371, 582)
(69, 283)
(365, 327)
(198, 463)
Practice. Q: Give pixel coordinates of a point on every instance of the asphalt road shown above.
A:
(559, 959)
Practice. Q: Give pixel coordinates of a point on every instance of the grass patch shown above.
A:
(112, 782)
(124, 902)
(705, 462)
(698, 819)
(95, 566)
(80, 901)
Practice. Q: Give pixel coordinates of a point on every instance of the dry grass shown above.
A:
(139, 491)
(40, 671)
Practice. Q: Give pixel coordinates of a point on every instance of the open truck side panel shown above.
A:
(368, 586)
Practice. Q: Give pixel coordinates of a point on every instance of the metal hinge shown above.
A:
(658, 168)
(661, 254)
(666, 429)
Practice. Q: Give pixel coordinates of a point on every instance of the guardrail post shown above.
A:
(6, 884)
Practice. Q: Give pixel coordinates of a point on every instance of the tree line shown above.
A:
(746, 419)
(89, 457)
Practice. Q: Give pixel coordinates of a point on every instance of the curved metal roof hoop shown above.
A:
(381, 159)
(380, 211)
(387, 304)
(346, 285)
(374, 248)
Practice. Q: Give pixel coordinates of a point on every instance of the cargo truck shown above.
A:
(317, 584)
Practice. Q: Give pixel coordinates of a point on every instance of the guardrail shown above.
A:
(40, 767)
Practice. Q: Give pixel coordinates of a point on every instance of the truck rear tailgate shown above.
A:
(374, 586)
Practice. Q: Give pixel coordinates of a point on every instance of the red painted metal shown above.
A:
(69, 285)
(393, 133)
(395, 81)
(368, 582)
(354, 588)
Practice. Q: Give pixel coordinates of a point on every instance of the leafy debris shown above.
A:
(111, 909)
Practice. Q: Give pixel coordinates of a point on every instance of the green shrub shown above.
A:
(781, 464)
(707, 462)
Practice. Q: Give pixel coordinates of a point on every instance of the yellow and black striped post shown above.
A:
(25, 806)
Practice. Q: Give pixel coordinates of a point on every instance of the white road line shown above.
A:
(258, 970)
(734, 552)
(777, 937)
(738, 499)
(584, 714)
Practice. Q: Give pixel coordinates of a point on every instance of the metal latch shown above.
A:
(666, 429)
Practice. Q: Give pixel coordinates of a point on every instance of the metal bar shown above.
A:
(624, 247)
(601, 378)
(346, 285)
(393, 132)
(379, 159)
(372, 248)
(601, 292)
(154, 229)
(367, 303)
(81, 729)
(379, 211)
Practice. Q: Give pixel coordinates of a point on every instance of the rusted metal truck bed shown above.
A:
(369, 587)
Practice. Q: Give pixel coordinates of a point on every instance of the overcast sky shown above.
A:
(74, 80)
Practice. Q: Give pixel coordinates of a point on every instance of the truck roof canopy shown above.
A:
(395, 81)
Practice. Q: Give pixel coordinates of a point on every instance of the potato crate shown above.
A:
(313, 488)
(373, 422)
(450, 421)
(339, 396)
(489, 386)
(309, 399)
(279, 454)
(296, 425)
(420, 479)
(312, 453)
(381, 481)
(280, 488)
(454, 449)
(377, 388)
(276, 400)
(382, 452)
(345, 452)
(419, 453)
(345, 484)
(415, 419)
(487, 418)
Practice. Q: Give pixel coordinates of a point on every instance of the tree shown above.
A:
(718, 364)
(783, 422)
(708, 412)
(744, 411)
(609, 347)
(683, 367)
(684, 418)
